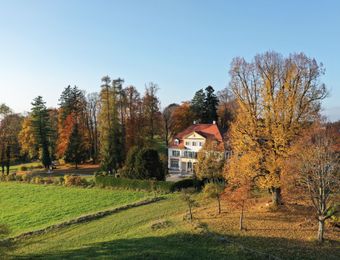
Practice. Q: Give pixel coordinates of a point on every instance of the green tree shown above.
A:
(148, 165)
(210, 106)
(198, 105)
(41, 128)
(75, 149)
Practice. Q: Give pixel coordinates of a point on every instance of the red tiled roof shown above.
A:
(209, 131)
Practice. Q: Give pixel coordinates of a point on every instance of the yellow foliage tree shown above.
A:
(276, 98)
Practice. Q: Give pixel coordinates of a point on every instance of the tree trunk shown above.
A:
(241, 217)
(321, 230)
(219, 205)
(8, 159)
(276, 196)
(190, 213)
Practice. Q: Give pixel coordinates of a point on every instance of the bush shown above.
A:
(18, 178)
(37, 180)
(48, 180)
(26, 178)
(143, 164)
(23, 168)
(134, 184)
(183, 184)
(72, 180)
(11, 177)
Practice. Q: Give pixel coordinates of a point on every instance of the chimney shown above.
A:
(214, 122)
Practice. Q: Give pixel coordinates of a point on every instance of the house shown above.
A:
(182, 151)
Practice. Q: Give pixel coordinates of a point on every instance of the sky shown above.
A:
(181, 45)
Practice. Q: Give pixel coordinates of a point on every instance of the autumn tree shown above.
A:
(151, 112)
(226, 109)
(134, 118)
(214, 190)
(276, 97)
(92, 108)
(315, 158)
(40, 121)
(10, 125)
(28, 144)
(210, 162)
(109, 128)
(182, 117)
(168, 122)
(73, 121)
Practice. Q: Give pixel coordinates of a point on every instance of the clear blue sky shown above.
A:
(180, 45)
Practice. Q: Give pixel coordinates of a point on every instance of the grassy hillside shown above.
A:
(26, 207)
(155, 231)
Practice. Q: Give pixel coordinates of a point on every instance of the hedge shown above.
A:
(148, 185)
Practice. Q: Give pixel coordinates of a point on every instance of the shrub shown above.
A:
(37, 180)
(26, 178)
(73, 180)
(143, 164)
(18, 178)
(134, 184)
(23, 168)
(183, 184)
(48, 180)
(11, 177)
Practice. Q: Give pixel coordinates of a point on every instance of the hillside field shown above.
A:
(27, 207)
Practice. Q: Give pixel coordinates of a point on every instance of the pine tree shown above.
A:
(210, 106)
(41, 128)
(198, 105)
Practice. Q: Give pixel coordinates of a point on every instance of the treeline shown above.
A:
(103, 127)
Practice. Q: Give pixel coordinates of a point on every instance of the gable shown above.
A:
(194, 135)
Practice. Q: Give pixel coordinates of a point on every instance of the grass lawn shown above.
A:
(27, 207)
(132, 234)
(16, 168)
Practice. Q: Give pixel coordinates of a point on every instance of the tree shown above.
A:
(316, 160)
(214, 190)
(73, 119)
(187, 197)
(143, 164)
(182, 117)
(92, 124)
(152, 115)
(210, 162)
(41, 129)
(210, 106)
(27, 141)
(276, 98)
(148, 165)
(109, 128)
(168, 122)
(75, 151)
(226, 109)
(198, 106)
(10, 125)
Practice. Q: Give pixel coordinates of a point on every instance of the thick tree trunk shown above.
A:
(8, 159)
(276, 196)
(241, 217)
(321, 230)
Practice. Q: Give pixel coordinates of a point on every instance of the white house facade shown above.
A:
(182, 152)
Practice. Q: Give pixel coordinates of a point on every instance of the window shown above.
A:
(174, 164)
(176, 141)
(175, 153)
(200, 144)
(187, 143)
(194, 144)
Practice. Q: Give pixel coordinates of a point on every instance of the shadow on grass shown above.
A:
(198, 246)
